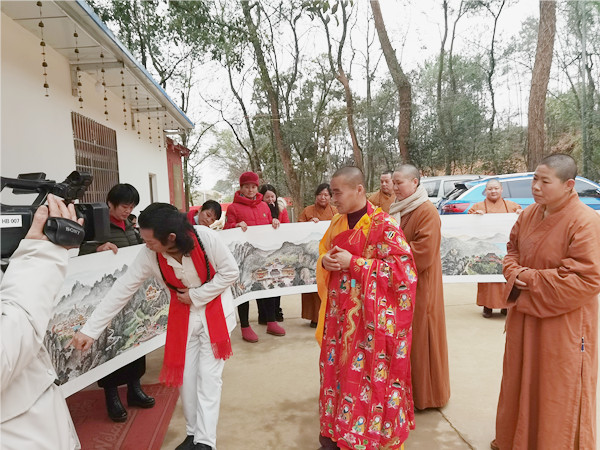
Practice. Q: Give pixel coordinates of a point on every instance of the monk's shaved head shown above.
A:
(409, 171)
(353, 176)
(493, 181)
(563, 166)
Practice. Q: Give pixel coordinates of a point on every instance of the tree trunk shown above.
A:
(490, 76)
(539, 83)
(440, 114)
(356, 150)
(283, 150)
(400, 80)
(338, 71)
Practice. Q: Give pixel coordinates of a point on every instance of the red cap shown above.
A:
(249, 177)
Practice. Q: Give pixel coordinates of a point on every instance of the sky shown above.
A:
(415, 28)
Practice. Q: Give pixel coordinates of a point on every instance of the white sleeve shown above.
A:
(32, 281)
(143, 267)
(223, 262)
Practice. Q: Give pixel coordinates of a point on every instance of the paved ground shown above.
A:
(270, 388)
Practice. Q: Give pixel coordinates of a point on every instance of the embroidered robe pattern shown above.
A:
(365, 381)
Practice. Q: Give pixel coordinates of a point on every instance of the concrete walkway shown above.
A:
(270, 388)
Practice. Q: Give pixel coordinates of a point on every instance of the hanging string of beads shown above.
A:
(124, 98)
(164, 128)
(43, 45)
(78, 70)
(104, 85)
(149, 123)
(137, 116)
(158, 128)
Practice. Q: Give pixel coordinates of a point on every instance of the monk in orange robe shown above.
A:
(491, 295)
(366, 279)
(384, 197)
(321, 210)
(548, 393)
(420, 222)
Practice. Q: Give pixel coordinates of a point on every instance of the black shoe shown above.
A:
(313, 324)
(487, 312)
(327, 443)
(504, 311)
(201, 446)
(114, 407)
(187, 444)
(279, 315)
(137, 397)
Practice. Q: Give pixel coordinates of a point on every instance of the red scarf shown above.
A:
(179, 313)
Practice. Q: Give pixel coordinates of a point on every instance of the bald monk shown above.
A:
(548, 393)
(490, 295)
(384, 197)
(420, 222)
(366, 280)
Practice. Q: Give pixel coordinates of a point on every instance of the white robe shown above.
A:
(33, 411)
(201, 389)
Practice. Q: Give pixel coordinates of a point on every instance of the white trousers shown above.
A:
(201, 390)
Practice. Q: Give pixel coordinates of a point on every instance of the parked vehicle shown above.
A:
(439, 187)
(515, 187)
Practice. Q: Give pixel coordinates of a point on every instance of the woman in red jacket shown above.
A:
(248, 209)
(278, 207)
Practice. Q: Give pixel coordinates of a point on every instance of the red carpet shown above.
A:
(144, 428)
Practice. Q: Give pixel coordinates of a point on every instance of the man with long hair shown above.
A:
(198, 270)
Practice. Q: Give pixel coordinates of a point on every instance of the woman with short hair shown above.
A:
(322, 209)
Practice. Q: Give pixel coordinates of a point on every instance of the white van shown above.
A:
(438, 188)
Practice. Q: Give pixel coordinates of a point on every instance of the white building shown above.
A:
(52, 131)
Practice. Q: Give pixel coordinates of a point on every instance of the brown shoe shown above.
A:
(494, 446)
(487, 312)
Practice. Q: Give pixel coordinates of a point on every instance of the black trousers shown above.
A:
(126, 374)
(267, 309)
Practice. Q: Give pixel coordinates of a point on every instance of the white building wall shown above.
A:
(36, 133)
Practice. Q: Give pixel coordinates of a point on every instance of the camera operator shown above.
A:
(34, 413)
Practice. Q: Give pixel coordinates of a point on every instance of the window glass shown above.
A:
(449, 184)
(432, 187)
(477, 192)
(585, 189)
(517, 188)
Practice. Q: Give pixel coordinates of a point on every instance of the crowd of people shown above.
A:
(378, 313)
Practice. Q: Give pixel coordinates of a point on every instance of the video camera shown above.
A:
(16, 220)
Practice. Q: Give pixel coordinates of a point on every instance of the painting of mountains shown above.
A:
(142, 318)
(473, 246)
(275, 262)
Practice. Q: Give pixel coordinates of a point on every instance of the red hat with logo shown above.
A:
(249, 177)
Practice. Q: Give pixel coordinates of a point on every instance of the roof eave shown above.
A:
(87, 19)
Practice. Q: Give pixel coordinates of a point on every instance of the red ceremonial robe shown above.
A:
(365, 397)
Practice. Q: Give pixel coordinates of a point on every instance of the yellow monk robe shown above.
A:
(311, 303)
(548, 393)
(429, 357)
(382, 200)
(491, 295)
(365, 399)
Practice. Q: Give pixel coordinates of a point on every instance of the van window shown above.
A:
(517, 188)
(432, 187)
(585, 189)
(449, 185)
